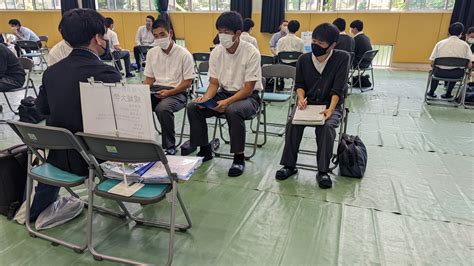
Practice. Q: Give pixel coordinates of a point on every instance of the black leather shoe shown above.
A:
(130, 75)
(447, 96)
(170, 151)
(236, 170)
(431, 95)
(207, 156)
(285, 172)
(324, 180)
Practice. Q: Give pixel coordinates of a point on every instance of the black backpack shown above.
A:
(13, 166)
(28, 112)
(364, 81)
(351, 156)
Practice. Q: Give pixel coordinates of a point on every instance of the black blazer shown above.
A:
(60, 100)
(362, 45)
(345, 43)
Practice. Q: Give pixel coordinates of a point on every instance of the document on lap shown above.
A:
(310, 116)
(156, 88)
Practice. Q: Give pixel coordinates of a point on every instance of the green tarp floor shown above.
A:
(414, 206)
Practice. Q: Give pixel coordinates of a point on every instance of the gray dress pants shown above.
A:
(165, 109)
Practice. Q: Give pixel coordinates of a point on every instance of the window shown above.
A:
(12, 4)
(362, 5)
(426, 4)
(117, 4)
(223, 5)
(379, 5)
(47, 4)
(345, 5)
(201, 5)
(179, 5)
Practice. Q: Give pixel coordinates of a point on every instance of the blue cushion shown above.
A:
(276, 97)
(201, 90)
(148, 191)
(48, 171)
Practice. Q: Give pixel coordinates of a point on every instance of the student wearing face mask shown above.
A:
(117, 51)
(23, 33)
(59, 98)
(452, 46)
(470, 39)
(277, 36)
(170, 68)
(321, 79)
(234, 82)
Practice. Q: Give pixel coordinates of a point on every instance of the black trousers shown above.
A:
(165, 109)
(136, 54)
(325, 136)
(236, 114)
(7, 84)
(446, 73)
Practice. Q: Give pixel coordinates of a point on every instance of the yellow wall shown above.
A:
(412, 34)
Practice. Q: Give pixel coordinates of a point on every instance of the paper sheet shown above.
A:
(311, 115)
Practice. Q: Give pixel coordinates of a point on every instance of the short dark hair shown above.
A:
(326, 32)
(161, 23)
(358, 24)
(151, 17)
(293, 26)
(14, 22)
(78, 26)
(456, 29)
(109, 21)
(283, 21)
(340, 23)
(248, 24)
(230, 20)
(470, 30)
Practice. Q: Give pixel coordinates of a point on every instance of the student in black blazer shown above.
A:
(59, 97)
(362, 42)
(345, 42)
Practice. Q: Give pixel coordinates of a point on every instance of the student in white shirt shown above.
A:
(169, 66)
(291, 43)
(144, 37)
(470, 40)
(234, 82)
(278, 35)
(453, 46)
(245, 36)
(117, 52)
(23, 34)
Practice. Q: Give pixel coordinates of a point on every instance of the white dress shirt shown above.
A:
(290, 43)
(169, 69)
(144, 36)
(320, 65)
(25, 34)
(233, 70)
(451, 47)
(59, 51)
(245, 36)
(113, 39)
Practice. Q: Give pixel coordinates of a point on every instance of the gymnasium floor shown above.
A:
(414, 206)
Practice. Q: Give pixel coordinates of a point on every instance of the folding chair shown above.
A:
(218, 124)
(467, 105)
(27, 65)
(275, 72)
(142, 51)
(37, 138)
(44, 40)
(266, 60)
(360, 68)
(132, 151)
(198, 58)
(290, 56)
(451, 62)
(35, 52)
(183, 123)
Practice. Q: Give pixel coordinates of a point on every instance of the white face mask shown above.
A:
(226, 40)
(163, 43)
(470, 40)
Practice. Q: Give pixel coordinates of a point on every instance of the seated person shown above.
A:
(12, 75)
(234, 82)
(278, 35)
(452, 46)
(22, 34)
(470, 39)
(245, 36)
(291, 43)
(144, 37)
(345, 42)
(59, 51)
(84, 30)
(321, 79)
(168, 65)
(361, 42)
(117, 52)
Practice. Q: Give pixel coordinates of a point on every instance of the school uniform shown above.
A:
(245, 36)
(169, 70)
(12, 75)
(450, 47)
(59, 51)
(345, 43)
(25, 34)
(144, 37)
(290, 43)
(320, 81)
(361, 45)
(232, 71)
(117, 55)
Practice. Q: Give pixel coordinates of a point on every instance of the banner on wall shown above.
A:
(307, 38)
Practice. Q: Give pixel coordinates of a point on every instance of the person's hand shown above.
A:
(327, 113)
(163, 94)
(221, 106)
(302, 103)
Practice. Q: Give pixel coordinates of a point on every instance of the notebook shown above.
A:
(211, 104)
(156, 88)
(310, 116)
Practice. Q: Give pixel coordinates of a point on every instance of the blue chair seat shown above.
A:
(275, 97)
(201, 90)
(53, 174)
(147, 192)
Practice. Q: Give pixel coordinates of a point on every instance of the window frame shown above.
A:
(367, 9)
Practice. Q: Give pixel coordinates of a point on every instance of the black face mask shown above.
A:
(318, 50)
(106, 49)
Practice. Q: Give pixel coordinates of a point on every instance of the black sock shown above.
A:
(205, 150)
(239, 158)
